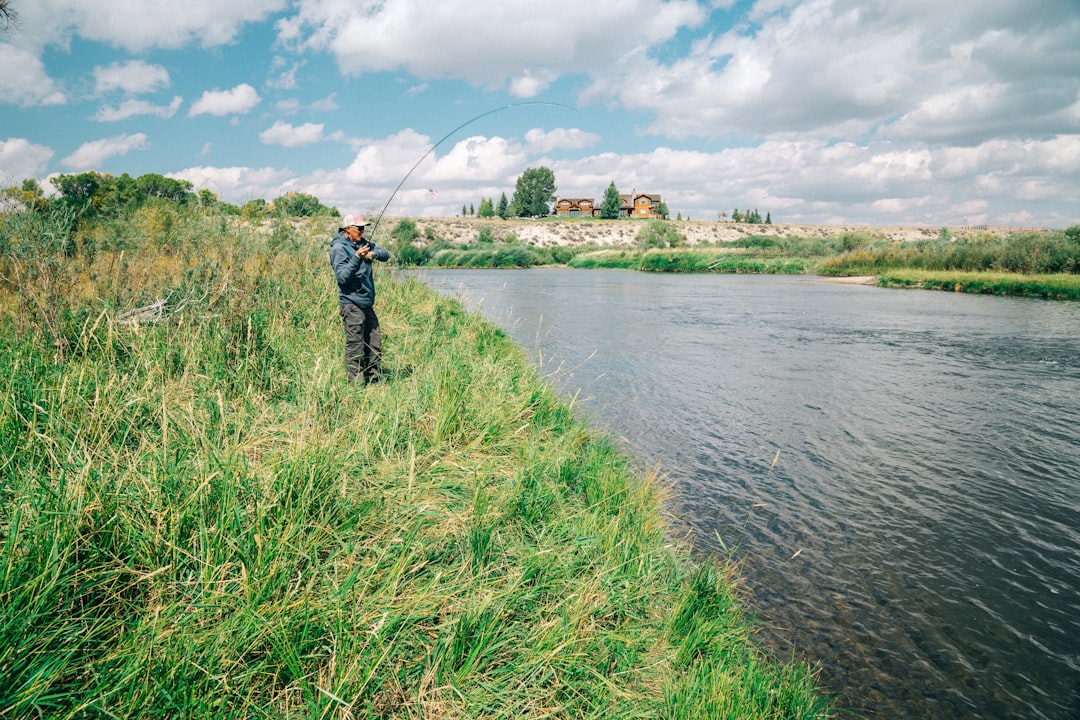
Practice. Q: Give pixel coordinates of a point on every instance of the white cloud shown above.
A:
(329, 103)
(31, 85)
(286, 79)
(21, 159)
(377, 161)
(958, 71)
(236, 184)
(288, 106)
(132, 77)
(460, 38)
(131, 108)
(237, 101)
(541, 142)
(139, 26)
(91, 155)
(795, 181)
(286, 135)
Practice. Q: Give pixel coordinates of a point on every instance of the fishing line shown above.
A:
(444, 138)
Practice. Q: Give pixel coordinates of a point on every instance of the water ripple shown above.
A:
(896, 472)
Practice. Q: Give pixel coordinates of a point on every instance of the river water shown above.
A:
(897, 472)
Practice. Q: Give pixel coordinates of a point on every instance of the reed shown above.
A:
(201, 518)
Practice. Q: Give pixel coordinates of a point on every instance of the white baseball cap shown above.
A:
(350, 220)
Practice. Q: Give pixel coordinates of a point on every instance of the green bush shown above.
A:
(658, 234)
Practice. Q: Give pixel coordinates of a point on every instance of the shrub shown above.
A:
(658, 234)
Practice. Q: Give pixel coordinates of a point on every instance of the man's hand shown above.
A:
(365, 251)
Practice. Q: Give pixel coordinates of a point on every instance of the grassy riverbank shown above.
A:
(199, 518)
(1045, 264)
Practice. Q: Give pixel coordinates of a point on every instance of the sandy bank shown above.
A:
(549, 232)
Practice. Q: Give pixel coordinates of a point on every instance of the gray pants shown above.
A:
(363, 342)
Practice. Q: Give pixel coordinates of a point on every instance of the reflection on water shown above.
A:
(896, 471)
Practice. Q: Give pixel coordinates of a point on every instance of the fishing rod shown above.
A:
(444, 138)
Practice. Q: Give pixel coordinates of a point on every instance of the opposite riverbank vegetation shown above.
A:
(199, 518)
(1034, 263)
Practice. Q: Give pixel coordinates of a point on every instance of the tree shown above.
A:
(609, 206)
(504, 207)
(153, 185)
(254, 210)
(768, 218)
(736, 216)
(658, 234)
(487, 208)
(8, 16)
(296, 204)
(663, 212)
(534, 192)
(29, 195)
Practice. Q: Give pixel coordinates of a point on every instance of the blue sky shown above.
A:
(816, 111)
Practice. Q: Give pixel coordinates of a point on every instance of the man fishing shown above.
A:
(351, 256)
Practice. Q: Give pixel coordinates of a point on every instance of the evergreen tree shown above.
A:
(503, 210)
(768, 218)
(487, 208)
(609, 208)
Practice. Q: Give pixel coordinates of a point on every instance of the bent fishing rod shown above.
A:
(444, 138)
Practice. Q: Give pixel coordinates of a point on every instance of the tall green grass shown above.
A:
(1053, 287)
(199, 517)
(692, 260)
(1029, 253)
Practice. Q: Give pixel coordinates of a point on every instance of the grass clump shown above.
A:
(1052, 287)
(200, 518)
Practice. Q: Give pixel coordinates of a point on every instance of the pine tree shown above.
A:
(609, 207)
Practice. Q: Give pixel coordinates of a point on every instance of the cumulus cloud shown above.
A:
(92, 155)
(966, 71)
(237, 101)
(131, 108)
(132, 77)
(460, 38)
(21, 159)
(236, 184)
(31, 85)
(286, 135)
(139, 26)
(817, 181)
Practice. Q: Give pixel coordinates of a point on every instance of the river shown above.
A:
(896, 472)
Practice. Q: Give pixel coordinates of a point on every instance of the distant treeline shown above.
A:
(91, 194)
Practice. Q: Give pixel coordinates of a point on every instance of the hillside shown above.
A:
(550, 232)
